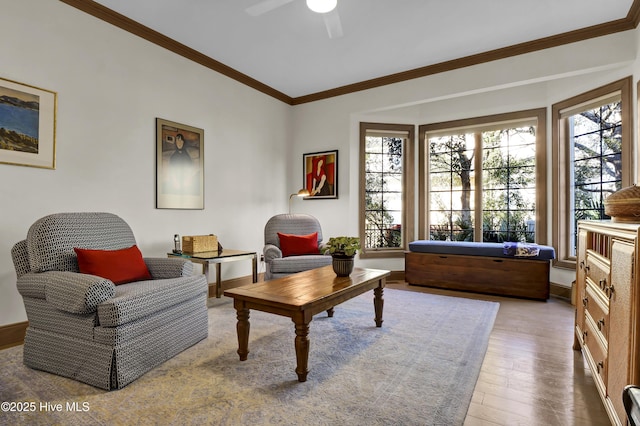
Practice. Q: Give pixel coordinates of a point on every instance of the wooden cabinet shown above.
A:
(607, 308)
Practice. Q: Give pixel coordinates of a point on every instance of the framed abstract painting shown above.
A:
(27, 125)
(321, 174)
(179, 166)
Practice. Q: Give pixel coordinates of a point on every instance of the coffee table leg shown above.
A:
(242, 328)
(302, 350)
(378, 304)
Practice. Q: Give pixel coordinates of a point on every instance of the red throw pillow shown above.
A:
(293, 245)
(120, 266)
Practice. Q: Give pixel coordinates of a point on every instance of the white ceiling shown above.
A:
(289, 50)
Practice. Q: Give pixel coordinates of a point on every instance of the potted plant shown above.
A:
(342, 250)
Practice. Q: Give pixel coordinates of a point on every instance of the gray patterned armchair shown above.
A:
(278, 265)
(89, 329)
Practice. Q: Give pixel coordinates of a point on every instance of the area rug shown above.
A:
(420, 368)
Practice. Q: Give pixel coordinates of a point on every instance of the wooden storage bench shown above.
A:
(478, 267)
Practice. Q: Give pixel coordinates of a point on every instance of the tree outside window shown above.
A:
(509, 185)
(450, 174)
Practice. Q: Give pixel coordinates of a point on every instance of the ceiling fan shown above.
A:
(327, 8)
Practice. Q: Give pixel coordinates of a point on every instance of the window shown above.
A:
(509, 184)
(386, 168)
(591, 136)
(452, 196)
(483, 179)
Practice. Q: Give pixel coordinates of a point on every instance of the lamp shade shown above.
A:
(322, 6)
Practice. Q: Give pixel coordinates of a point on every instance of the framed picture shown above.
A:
(27, 125)
(179, 166)
(321, 174)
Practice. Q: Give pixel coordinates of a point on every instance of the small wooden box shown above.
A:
(199, 243)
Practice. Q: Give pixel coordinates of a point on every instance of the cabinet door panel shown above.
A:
(598, 311)
(620, 317)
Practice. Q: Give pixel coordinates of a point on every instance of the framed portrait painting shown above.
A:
(321, 174)
(27, 125)
(179, 166)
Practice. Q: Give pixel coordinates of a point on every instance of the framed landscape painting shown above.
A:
(179, 166)
(321, 174)
(27, 125)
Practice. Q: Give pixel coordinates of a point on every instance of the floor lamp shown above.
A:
(302, 193)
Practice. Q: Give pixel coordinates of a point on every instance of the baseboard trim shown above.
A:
(396, 276)
(232, 283)
(560, 291)
(12, 334)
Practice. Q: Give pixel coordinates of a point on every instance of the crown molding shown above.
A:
(634, 13)
(92, 8)
(480, 58)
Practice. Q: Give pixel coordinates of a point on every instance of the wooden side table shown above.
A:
(218, 258)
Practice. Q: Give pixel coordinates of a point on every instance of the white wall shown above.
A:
(528, 81)
(111, 87)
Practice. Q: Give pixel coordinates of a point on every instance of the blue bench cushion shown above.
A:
(468, 248)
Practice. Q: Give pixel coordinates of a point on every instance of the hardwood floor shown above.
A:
(530, 375)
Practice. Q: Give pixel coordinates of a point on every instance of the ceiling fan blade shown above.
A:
(333, 24)
(265, 6)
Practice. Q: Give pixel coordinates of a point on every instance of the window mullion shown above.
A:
(478, 211)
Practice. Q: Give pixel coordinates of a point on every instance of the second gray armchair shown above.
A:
(291, 246)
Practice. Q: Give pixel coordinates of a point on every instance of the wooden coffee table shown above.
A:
(300, 297)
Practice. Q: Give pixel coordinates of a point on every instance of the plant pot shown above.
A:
(342, 265)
